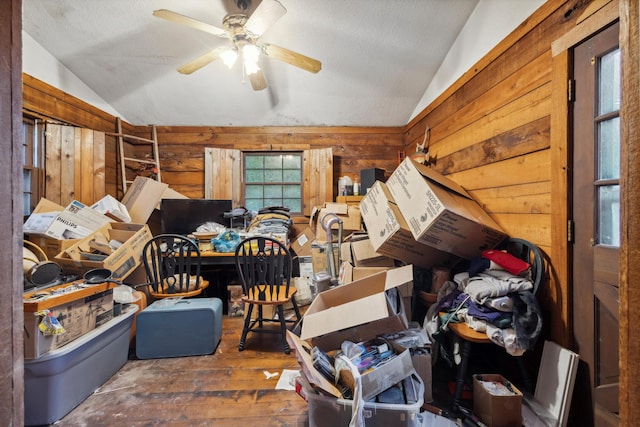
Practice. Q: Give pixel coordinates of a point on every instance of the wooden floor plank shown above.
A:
(227, 388)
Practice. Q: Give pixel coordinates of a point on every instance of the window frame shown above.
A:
(33, 156)
(300, 183)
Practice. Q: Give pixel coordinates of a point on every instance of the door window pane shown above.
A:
(609, 215)
(609, 149)
(609, 83)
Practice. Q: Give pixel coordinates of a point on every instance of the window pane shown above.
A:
(609, 149)
(253, 204)
(294, 204)
(273, 162)
(289, 175)
(609, 215)
(274, 175)
(255, 175)
(291, 161)
(609, 83)
(253, 191)
(291, 191)
(254, 162)
(273, 191)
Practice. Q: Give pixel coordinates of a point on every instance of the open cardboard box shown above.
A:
(350, 216)
(357, 311)
(373, 382)
(440, 213)
(121, 261)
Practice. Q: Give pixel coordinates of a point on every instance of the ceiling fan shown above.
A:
(243, 31)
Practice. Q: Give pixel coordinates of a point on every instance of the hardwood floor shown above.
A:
(227, 388)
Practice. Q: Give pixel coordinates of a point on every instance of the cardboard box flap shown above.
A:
(440, 179)
(303, 350)
(337, 208)
(344, 316)
(355, 303)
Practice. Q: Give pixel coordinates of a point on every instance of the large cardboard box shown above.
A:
(440, 213)
(73, 222)
(389, 232)
(360, 252)
(496, 409)
(357, 311)
(51, 246)
(121, 262)
(143, 198)
(78, 311)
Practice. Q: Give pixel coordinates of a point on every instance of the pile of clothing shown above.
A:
(494, 296)
(271, 220)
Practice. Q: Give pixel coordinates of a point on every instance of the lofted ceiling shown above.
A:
(378, 58)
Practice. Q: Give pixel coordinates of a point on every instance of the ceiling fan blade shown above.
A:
(265, 15)
(257, 80)
(202, 60)
(291, 57)
(190, 22)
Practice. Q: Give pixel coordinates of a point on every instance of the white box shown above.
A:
(111, 207)
(440, 213)
(73, 222)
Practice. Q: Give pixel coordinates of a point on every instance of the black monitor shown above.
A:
(183, 216)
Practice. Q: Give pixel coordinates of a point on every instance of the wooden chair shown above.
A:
(172, 263)
(528, 252)
(264, 266)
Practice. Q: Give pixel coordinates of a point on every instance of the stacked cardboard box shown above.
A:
(440, 213)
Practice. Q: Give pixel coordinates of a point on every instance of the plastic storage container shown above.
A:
(326, 411)
(60, 380)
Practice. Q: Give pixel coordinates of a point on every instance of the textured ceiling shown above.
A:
(378, 58)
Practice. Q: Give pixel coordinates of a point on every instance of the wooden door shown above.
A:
(596, 224)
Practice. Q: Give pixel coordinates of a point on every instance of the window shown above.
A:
(273, 179)
(32, 163)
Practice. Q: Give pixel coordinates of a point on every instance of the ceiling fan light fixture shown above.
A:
(229, 57)
(250, 55)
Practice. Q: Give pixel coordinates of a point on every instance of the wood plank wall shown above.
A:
(354, 148)
(490, 132)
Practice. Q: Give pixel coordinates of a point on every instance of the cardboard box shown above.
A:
(349, 200)
(112, 208)
(440, 213)
(143, 198)
(373, 382)
(349, 273)
(389, 232)
(73, 222)
(350, 216)
(301, 245)
(121, 262)
(51, 246)
(77, 316)
(362, 254)
(496, 410)
(357, 311)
